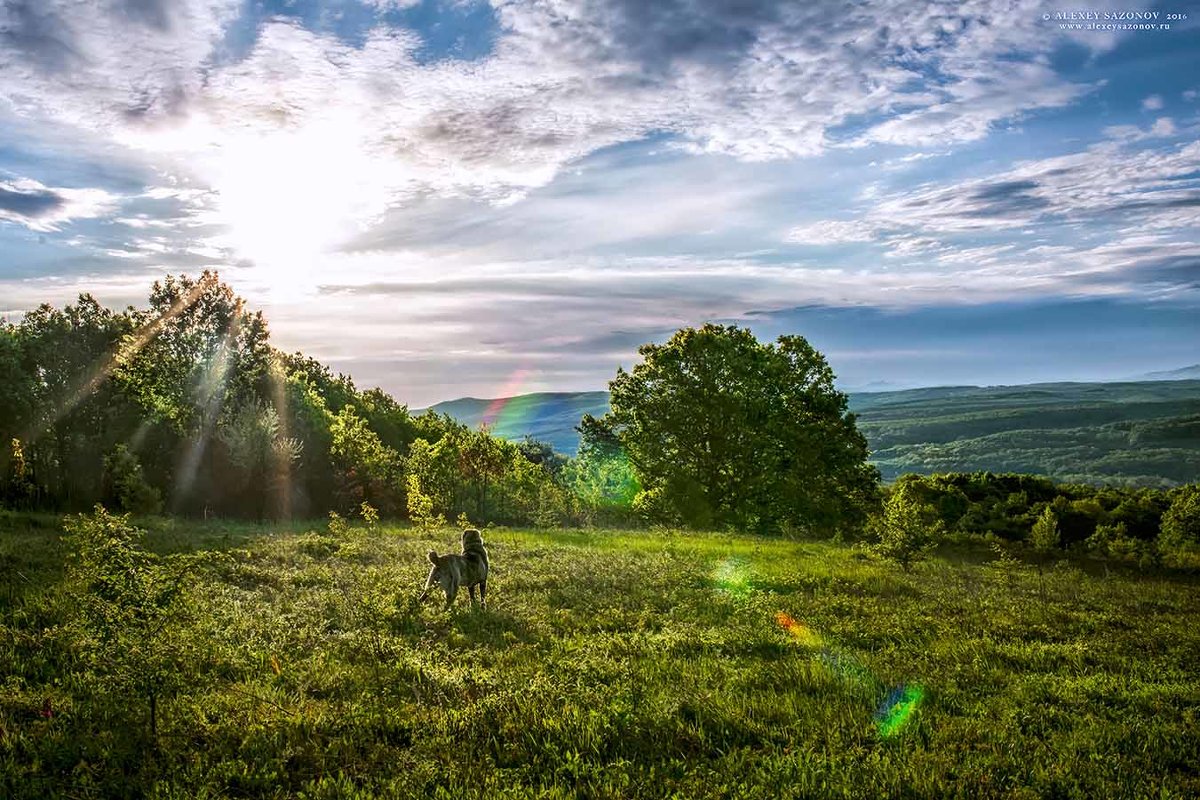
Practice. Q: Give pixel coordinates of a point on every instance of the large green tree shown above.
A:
(724, 430)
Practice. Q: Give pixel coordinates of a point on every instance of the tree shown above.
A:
(127, 603)
(1181, 521)
(125, 483)
(1044, 536)
(908, 527)
(366, 469)
(261, 456)
(726, 431)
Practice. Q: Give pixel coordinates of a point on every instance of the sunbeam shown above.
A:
(280, 480)
(211, 395)
(128, 348)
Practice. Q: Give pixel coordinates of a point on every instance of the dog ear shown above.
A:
(433, 557)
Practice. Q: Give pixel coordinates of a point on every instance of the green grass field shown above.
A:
(612, 664)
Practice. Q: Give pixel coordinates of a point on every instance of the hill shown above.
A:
(1137, 432)
(1191, 373)
(548, 416)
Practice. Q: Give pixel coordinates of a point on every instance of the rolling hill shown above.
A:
(1140, 432)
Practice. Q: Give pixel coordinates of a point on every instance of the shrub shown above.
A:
(337, 524)
(1181, 523)
(1044, 537)
(126, 486)
(420, 507)
(907, 528)
(125, 603)
(370, 516)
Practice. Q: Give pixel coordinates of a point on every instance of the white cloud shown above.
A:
(1153, 102)
(308, 140)
(46, 208)
(833, 232)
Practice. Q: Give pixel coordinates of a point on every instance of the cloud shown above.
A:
(833, 232)
(606, 171)
(1112, 182)
(374, 126)
(42, 208)
(1153, 102)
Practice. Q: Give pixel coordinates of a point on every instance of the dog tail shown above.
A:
(433, 557)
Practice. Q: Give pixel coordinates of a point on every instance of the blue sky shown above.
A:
(437, 196)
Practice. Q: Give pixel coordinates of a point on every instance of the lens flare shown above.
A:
(506, 411)
(897, 709)
(732, 576)
(799, 631)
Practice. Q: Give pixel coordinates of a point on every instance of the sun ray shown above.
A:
(126, 350)
(281, 463)
(212, 397)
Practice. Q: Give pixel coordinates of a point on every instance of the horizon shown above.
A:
(451, 198)
(852, 390)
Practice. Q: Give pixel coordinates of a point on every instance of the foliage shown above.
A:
(261, 456)
(187, 400)
(420, 506)
(126, 486)
(732, 432)
(126, 602)
(365, 468)
(1043, 537)
(370, 516)
(16, 489)
(1181, 521)
(908, 528)
(338, 527)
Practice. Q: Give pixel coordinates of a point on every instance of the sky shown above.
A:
(454, 198)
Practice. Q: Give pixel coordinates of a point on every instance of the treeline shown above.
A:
(186, 407)
(1148, 526)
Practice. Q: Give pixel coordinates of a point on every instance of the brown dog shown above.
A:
(452, 571)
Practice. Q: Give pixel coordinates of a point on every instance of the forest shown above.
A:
(184, 407)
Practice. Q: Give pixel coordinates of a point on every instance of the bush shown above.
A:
(125, 602)
(420, 507)
(125, 485)
(1180, 530)
(1044, 537)
(907, 528)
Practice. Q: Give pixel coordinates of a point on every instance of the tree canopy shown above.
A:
(185, 406)
(723, 430)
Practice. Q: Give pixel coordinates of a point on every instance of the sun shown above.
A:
(283, 199)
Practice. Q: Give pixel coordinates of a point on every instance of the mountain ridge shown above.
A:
(1134, 432)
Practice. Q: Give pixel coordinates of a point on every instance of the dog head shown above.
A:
(470, 537)
(442, 573)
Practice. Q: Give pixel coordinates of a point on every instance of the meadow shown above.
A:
(610, 664)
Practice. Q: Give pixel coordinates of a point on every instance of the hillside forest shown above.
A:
(185, 407)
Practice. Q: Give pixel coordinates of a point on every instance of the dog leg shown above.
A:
(450, 597)
(471, 591)
(483, 594)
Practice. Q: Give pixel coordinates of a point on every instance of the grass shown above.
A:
(611, 664)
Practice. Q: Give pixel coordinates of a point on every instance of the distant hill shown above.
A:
(1182, 374)
(1138, 432)
(548, 416)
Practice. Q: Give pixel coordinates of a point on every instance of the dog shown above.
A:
(452, 571)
